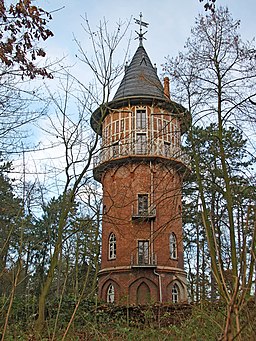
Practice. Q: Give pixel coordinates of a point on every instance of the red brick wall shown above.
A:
(121, 187)
(122, 180)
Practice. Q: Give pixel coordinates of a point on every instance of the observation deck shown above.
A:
(116, 154)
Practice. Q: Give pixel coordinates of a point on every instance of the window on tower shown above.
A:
(117, 127)
(141, 144)
(143, 204)
(173, 246)
(122, 125)
(112, 246)
(160, 126)
(141, 119)
(167, 149)
(175, 293)
(143, 252)
(165, 129)
(111, 294)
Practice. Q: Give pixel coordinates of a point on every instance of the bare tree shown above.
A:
(217, 75)
(71, 127)
(23, 26)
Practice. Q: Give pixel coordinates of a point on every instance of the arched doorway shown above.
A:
(143, 294)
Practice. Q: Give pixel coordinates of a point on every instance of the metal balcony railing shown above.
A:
(143, 261)
(148, 214)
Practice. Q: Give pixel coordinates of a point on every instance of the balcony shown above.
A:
(144, 215)
(118, 151)
(144, 261)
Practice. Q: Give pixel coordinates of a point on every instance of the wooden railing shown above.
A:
(116, 151)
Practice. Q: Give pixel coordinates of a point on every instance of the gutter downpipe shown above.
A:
(160, 285)
(151, 207)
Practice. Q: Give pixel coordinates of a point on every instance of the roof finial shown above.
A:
(141, 23)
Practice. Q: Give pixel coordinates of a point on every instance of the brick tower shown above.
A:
(141, 168)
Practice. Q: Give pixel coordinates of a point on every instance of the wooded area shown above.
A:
(50, 244)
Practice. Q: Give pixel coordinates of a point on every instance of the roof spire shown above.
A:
(141, 34)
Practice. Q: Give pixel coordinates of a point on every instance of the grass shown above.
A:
(200, 322)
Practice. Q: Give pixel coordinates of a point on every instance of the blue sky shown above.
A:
(169, 21)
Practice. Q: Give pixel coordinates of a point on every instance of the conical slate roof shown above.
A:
(140, 79)
(140, 85)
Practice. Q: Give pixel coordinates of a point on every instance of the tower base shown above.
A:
(143, 285)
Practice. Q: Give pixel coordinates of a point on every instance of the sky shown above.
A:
(170, 22)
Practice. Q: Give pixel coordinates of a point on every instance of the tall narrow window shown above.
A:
(111, 294)
(143, 204)
(112, 246)
(173, 246)
(117, 127)
(165, 128)
(143, 252)
(141, 144)
(166, 149)
(160, 126)
(122, 125)
(175, 294)
(141, 119)
(166, 132)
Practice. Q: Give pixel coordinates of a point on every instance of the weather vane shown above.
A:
(142, 24)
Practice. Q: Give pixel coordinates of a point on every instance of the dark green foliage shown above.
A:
(11, 215)
(240, 166)
(181, 322)
(26, 250)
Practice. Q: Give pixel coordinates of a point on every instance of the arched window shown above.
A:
(175, 293)
(111, 294)
(173, 246)
(112, 246)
